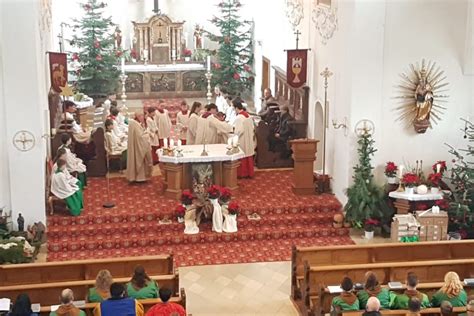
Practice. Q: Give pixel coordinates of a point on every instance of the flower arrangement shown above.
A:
(180, 211)
(133, 53)
(434, 179)
(213, 192)
(370, 224)
(391, 169)
(225, 195)
(410, 180)
(187, 52)
(234, 208)
(439, 167)
(443, 204)
(187, 197)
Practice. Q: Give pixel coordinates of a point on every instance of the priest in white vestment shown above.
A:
(163, 122)
(192, 123)
(182, 121)
(139, 161)
(66, 187)
(245, 129)
(153, 131)
(211, 130)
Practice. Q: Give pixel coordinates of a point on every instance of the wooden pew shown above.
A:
(404, 312)
(316, 279)
(48, 293)
(147, 304)
(80, 270)
(373, 253)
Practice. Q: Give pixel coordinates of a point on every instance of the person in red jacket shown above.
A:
(166, 308)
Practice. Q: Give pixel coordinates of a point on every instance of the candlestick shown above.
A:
(209, 92)
(123, 79)
(179, 143)
(123, 65)
(208, 63)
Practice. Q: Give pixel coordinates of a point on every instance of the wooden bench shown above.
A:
(80, 270)
(316, 279)
(404, 312)
(147, 304)
(373, 253)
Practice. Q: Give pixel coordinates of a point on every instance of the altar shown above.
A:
(178, 173)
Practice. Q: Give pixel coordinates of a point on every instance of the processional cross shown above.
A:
(156, 7)
(297, 33)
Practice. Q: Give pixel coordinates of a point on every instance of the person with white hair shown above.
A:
(67, 307)
(373, 307)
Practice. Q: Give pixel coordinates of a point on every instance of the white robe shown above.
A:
(245, 129)
(230, 115)
(163, 122)
(63, 185)
(114, 145)
(211, 130)
(152, 129)
(73, 164)
(182, 120)
(222, 104)
(192, 127)
(76, 128)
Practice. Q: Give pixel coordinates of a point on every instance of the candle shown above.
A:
(401, 171)
(165, 142)
(438, 168)
(171, 143)
(123, 65)
(208, 63)
(235, 140)
(230, 141)
(179, 143)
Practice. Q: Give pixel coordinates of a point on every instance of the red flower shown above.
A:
(443, 204)
(225, 194)
(217, 66)
(133, 53)
(442, 166)
(213, 192)
(247, 68)
(96, 44)
(87, 7)
(187, 52)
(421, 206)
(236, 76)
(118, 53)
(434, 179)
(180, 211)
(75, 56)
(251, 78)
(187, 197)
(370, 223)
(233, 208)
(391, 169)
(410, 179)
(98, 57)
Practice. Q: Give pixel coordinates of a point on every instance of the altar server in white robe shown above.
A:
(153, 131)
(114, 145)
(120, 129)
(73, 163)
(81, 135)
(221, 101)
(139, 161)
(245, 129)
(163, 122)
(182, 121)
(67, 188)
(211, 130)
(192, 123)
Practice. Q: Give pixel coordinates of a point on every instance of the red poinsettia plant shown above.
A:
(391, 169)
(225, 195)
(410, 180)
(233, 208)
(133, 53)
(180, 211)
(442, 167)
(187, 52)
(443, 204)
(187, 197)
(213, 192)
(434, 179)
(370, 224)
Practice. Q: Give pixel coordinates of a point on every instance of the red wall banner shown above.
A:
(58, 70)
(296, 67)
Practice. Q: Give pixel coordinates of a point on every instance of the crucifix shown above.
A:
(156, 7)
(297, 33)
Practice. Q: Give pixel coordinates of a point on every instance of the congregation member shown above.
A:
(372, 307)
(451, 291)
(141, 286)
(67, 308)
(22, 306)
(67, 188)
(401, 300)
(245, 130)
(182, 121)
(101, 290)
(446, 308)
(152, 129)
(414, 306)
(139, 161)
(119, 303)
(163, 122)
(73, 163)
(196, 109)
(113, 145)
(372, 288)
(211, 130)
(266, 100)
(166, 308)
(347, 300)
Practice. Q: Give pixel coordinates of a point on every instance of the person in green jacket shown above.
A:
(101, 290)
(373, 288)
(401, 300)
(67, 307)
(141, 286)
(452, 291)
(347, 301)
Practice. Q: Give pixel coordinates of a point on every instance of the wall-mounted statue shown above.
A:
(421, 100)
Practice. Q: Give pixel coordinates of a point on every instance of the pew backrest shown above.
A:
(403, 312)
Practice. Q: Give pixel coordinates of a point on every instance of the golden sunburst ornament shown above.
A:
(421, 101)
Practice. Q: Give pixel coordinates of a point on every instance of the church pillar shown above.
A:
(23, 104)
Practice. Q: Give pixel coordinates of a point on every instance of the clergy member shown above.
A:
(211, 130)
(73, 163)
(244, 128)
(152, 129)
(163, 122)
(67, 188)
(182, 120)
(192, 123)
(139, 162)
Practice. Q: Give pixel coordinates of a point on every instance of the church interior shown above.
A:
(236, 157)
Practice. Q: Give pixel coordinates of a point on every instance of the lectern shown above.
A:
(304, 155)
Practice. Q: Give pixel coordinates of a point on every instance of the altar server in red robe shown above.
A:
(245, 129)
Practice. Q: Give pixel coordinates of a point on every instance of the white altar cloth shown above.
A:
(415, 197)
(192, 153)
(163, 68)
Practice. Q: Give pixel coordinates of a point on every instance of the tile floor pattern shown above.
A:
(238, 289)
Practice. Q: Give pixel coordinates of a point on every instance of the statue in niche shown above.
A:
(198, 31)
(118, 38)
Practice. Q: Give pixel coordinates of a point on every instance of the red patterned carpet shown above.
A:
(132, 227)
